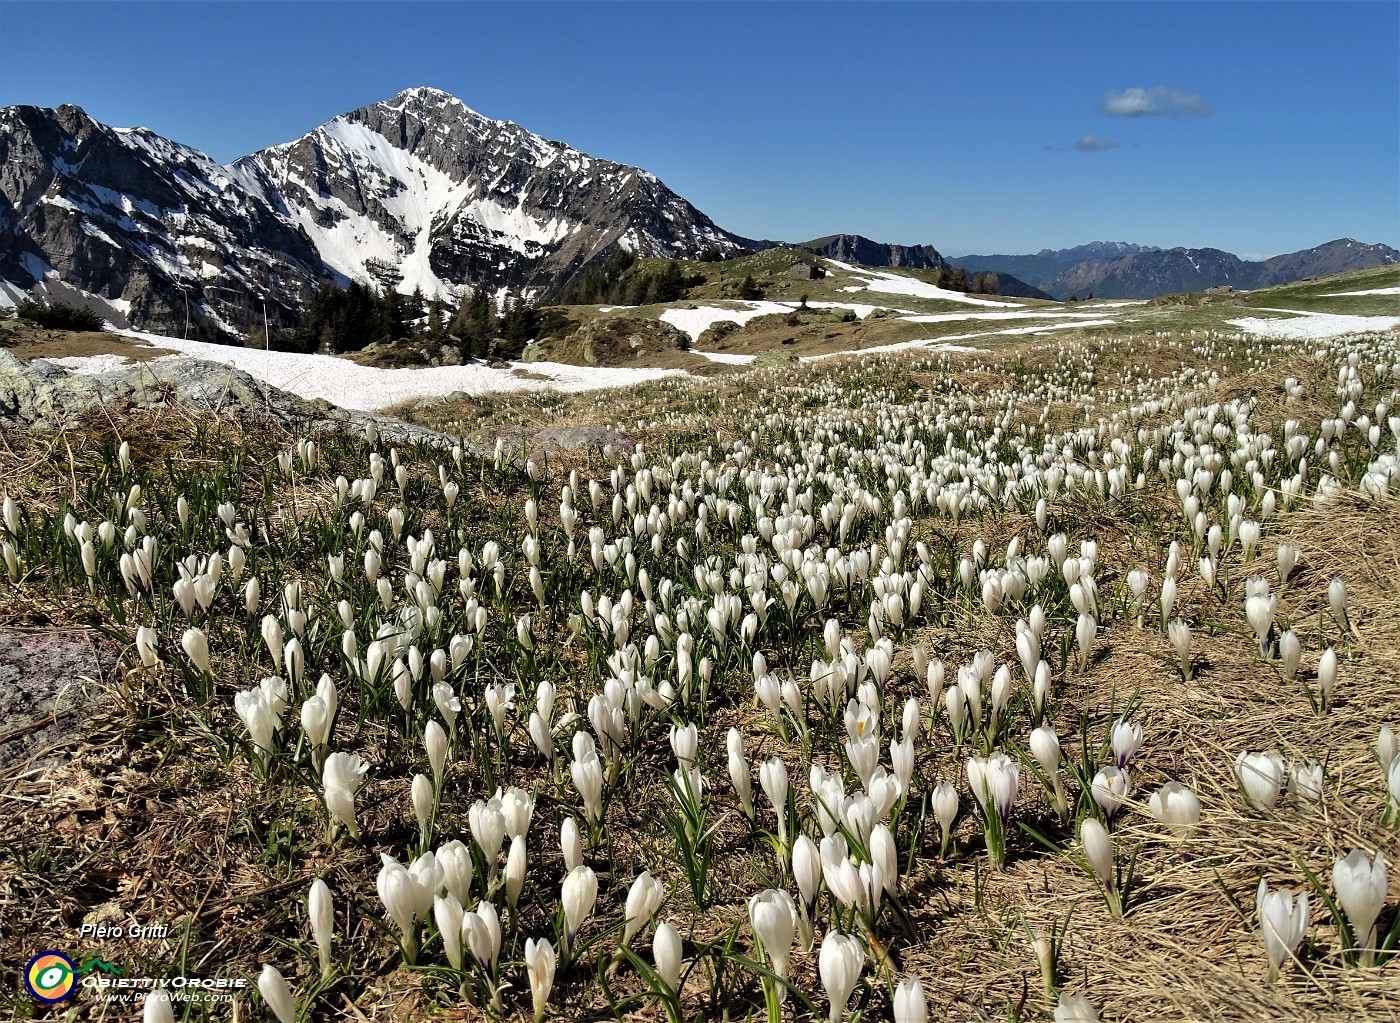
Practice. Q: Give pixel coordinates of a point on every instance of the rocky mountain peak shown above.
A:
(415, 191)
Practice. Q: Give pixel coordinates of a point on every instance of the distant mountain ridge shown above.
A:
(855, 248)
(1123, 270)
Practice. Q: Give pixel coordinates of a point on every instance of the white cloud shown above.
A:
(1137, 102)
(1089, 144)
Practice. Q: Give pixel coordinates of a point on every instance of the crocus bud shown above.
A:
(740, 775)
(156, 1008)
(807, 873)
(774, 920)
(421, 791)
(316, 722)
(910, 1005)
(1290, 653)
(1045, 747)
(1337, 602)
(435, 742)
(516, 865)
(448, 915)
(1386, 747)
(666, 951)
(578, 895)
(1283, 921)
(321, 913)
(773, 777)
(1326, 677)
(273, 988)
(482, 929)
(643, 900)
(945, 807)
(570, 844)
(147, 646)
(272, 639)
(1098, 850)
(196, 646)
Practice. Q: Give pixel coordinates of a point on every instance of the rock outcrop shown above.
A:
(42, 395)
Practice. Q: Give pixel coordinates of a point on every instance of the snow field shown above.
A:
(367, 388)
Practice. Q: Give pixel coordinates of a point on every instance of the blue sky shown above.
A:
(977, 127)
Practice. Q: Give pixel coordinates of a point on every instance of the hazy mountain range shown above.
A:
(1123, 270)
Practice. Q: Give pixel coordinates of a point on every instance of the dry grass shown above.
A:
(147, 820)
(27, 340)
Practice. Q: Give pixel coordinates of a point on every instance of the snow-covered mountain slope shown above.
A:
(421, 191)
(417, 191)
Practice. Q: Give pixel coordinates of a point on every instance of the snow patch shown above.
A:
(897, 284)
(1368, 291)
(1021, 315)
(1314, 325)
(696, 321)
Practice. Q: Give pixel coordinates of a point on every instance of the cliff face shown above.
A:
(137, 222)
(853, 248)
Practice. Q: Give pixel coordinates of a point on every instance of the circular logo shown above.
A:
(50, 976)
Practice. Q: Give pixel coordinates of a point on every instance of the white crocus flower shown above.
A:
(424, 806)
(540, 964)
(667, 953)
(435, 744)
(455, 860)
(156, 1008)
(448, 915)
(578, 896)
(773, 777)
(1261, 777)
(774, 919)
(1111, 788)
(1126, 738)
(740, 775)
(1177, 807)
(340, 777)
(1360, 883)
(196, 646)
(910, 1004)
(839, 964)
(1075, 1008)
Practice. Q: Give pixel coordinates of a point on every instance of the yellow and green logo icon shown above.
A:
(50, 976)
